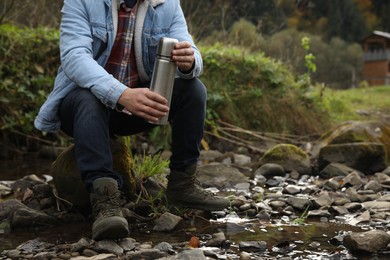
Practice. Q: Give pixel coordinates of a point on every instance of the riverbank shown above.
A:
(274, 214)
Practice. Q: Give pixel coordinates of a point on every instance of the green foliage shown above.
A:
(29, 59)
(145, 167)
(311, 67)
(148, 166)
(301, 220)
(256, 92)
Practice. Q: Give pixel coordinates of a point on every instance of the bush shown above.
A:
(257, 93)
(29, 59)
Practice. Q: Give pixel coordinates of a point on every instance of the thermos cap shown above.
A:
(165, 46)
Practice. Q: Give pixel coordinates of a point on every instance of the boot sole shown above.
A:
(110, 228)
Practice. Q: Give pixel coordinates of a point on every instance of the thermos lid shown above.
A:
(165, 46)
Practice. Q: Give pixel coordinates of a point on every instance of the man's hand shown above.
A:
(183, 56)
(144, 103)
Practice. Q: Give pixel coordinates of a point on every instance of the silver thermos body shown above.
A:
(164, 73)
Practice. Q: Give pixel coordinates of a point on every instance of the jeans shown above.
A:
(91, 124)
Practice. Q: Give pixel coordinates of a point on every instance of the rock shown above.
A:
(219, 175)
(8, 207)
(382, 178)
(298, 203)
(352, 179)
(97, 257)
(208, 156)
(371, 241)
(26, 217)
(290, 157)
(253, 246)
(368, 158)
(147, 254)
(334, 169)
(332, 184)
(108, 246)
(356, 132)
(164, 247)
(127, 244)
(365, 217)
(68, 182)
(191, 254)
(323, 199)
(241, 159)
(245, 256)
(217, 240)
(319, 213)
(82, 244)
(339, 210)
(379, 205)
(292, 189)
(373, 185)
(167, 222)
(270, 170)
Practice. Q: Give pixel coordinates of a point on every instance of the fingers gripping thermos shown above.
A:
(164, 72)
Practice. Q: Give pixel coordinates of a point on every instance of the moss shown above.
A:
(284, 151)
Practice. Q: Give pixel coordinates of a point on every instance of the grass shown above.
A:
(358, 103)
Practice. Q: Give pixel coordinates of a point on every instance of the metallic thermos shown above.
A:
(164, 73)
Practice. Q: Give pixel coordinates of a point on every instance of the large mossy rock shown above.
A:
(356, 132)
(290, 157)
(368, 158)
(68, 182)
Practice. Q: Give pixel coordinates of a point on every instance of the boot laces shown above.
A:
(202, 191)
(107, 205)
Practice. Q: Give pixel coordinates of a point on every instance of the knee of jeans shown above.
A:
(196, 90)
(88, 102)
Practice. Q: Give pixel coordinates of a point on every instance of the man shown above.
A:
(108, 51)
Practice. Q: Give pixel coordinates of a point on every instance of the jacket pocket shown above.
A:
(153, 39)
(100, 37)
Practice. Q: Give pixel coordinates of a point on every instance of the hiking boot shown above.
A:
(184, 190)
(109, 221)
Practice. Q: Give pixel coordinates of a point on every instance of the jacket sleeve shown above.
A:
(179, 30)
(77, 57)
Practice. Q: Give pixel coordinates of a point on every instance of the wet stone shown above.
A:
(13, 254)
(127, 244)
(298, 203)
(323, 200)
(292, 189)
(353, 206)
(332, 184)
(277, 204)
(382, 178)
(82, 244)
(340, 201)
(374, 186)
(371, 241)
(253, 246)
(167, 222)
(340, 210)
(191, 254)
(64, 256)
(270, 169)
(108, 246)
(89, 252)
(217, 240)
(164, 247)
(352, 179)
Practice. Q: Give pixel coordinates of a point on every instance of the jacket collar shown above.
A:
(153, 3)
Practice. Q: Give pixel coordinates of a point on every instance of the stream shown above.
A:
(315, 239)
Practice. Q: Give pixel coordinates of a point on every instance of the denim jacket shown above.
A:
(88, 31)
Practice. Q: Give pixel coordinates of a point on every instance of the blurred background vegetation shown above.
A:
(257, 69)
